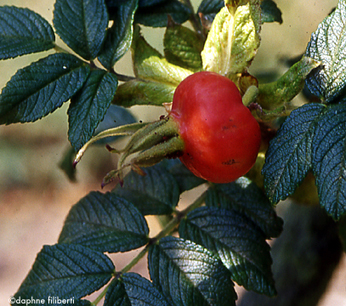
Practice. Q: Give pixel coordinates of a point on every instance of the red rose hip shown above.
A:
(221, 137)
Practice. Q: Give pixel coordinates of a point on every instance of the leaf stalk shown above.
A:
(169, 228)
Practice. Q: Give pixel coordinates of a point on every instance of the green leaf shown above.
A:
(183, 176)
(66, 271)
(133, 289)
(119, 36)
(210, 7)
(329, 160)
(233, 39)
(183, 47)
(42, 87)
(89, 105)
(328, 45)
(246, 197)
(150, 65)
(275, 94)
(157, 15)
(288, 158)
(270, 12)
(137, 92)
(239, 244)
(23, 31)
(116, 294)
(188, 274)
(82, 25)
(143, 3)
(156, 193)
(105, 223)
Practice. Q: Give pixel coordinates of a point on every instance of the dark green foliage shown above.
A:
(22, 31)
(270, 12)
(119, 36)
(327, 45)
(329, 160)
(40, 88)
(133, 289)
(312, 138)
(157, 15)
(144, 3)
(66, 271)
(228, 243)
(89, 105)
(219, 243)
(238, 243)
(289, 155)
(82, 25)
(106, 223)
(247, 198)
(156, 193)
(184, 177)
(210, 7)
(189, 274)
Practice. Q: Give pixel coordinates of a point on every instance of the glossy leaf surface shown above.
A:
(119, 36)
(239, 244)
(82, 25)
(289, 155)
(106, 223)
(40, 88)
(270, 12)
(329, 160)
(189, 274)
(133, 289)
(184, 177)
(89, 105)
(157, 15)
(22, 31)
(156, 193)
(66, 271)
(328, 45)
(246, 197)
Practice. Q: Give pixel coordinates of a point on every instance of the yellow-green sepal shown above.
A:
(150, 65)
(276, 94)
(183, 46)
(233, 39)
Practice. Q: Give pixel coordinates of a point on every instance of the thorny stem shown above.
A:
(168, 229)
